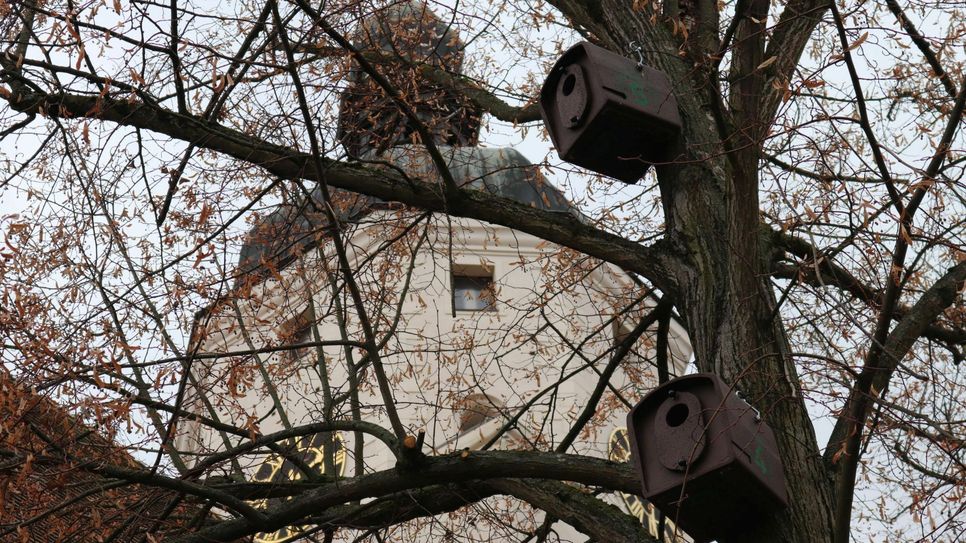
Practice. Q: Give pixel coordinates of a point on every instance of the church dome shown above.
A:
(294, 228)
(407, 44)
(408, 38)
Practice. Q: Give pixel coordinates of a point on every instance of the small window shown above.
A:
(473, 290)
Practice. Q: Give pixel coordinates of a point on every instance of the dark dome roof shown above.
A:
(371, 126)
(293, 228)
(501, 171)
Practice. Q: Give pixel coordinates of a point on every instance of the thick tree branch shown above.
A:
(601, 521)
(887, 349)
(562, 228)
(452, 469)
(822, 271)
(470, 88)
(933, 302)
(788, 40)
(940, 296)
(584, 16)
(402, 506)
(482, 98)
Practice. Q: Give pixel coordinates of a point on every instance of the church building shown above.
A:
(467, 334)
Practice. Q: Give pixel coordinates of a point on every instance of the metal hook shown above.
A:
(634, 48)
(741, 396)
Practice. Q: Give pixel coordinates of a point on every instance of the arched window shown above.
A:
(296, 331)
(478, 409)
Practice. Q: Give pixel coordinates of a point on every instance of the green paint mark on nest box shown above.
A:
(757, 457)
(636, 90)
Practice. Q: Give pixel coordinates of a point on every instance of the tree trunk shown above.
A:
(721, 286)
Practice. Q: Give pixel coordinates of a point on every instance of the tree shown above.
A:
(809, 232)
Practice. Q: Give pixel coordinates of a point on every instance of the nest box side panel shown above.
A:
(607, 113)
(705, 457)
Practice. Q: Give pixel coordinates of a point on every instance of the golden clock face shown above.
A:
(619, 450)
(277, 469)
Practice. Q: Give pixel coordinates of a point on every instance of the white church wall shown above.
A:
(553, 320)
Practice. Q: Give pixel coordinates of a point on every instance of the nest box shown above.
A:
(608, 113)
(705, 457)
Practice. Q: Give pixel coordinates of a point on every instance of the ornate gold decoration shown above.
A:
(276, 469)
(619, 450)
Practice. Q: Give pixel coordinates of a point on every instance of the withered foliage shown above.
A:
(273, 269)
(63, 480)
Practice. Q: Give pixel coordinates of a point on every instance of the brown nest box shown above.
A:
(608, 113)
(705, 457)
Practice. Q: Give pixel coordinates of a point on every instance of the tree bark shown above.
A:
(720, 279)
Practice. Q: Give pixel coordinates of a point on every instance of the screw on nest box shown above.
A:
(705, 457)
(608, 113)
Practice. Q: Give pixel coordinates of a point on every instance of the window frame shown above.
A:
(473, 272)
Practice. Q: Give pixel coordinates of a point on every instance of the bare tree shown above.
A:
(808, 234)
